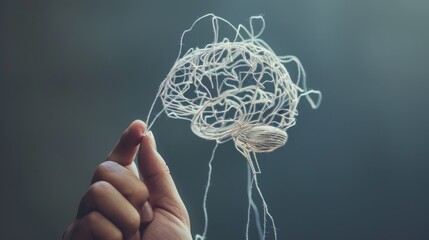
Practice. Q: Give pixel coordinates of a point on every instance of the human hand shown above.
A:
(121, 205)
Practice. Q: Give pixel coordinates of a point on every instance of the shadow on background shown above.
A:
(74, 75)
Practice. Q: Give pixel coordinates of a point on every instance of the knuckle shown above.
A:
(93, 217)
(96, 192)
(115, 235)
(137, 194)
(104, 168)
(100, 188)
(133, 223)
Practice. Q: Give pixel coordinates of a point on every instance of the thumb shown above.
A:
(126, 149)
(156, 176)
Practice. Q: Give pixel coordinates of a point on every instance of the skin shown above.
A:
(126, 201)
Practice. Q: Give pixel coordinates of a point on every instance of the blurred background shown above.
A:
(75, 74)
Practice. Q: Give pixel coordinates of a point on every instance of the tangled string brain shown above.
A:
(235, 89)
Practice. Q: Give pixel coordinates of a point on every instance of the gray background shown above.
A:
(75, 74)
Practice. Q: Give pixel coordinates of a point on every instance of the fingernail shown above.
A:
(147, 213)
(152, 138)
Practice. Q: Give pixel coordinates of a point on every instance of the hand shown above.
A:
(120, 205)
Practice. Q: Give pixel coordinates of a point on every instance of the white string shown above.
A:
(252, 205)
(266, 212)
(206, 219)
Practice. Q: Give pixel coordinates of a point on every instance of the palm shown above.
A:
(165, 225)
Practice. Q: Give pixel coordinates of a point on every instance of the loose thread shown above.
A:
(206, 219)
